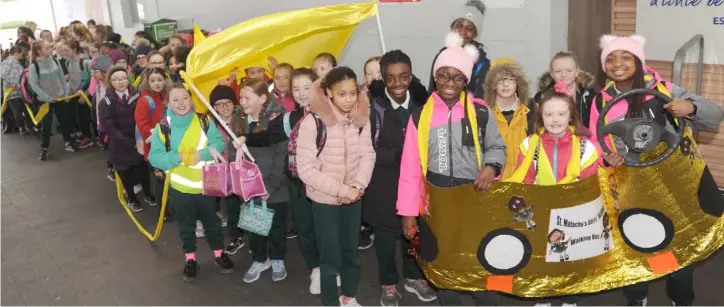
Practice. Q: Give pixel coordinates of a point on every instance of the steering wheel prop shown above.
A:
(641, 135)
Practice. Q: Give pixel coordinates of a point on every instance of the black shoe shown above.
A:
(292, 233)
(234, 246)
(366, 238)
(135, 207)
(224, 263)
(637, 302)
(190, 270)
(168, 218)
(44, 155)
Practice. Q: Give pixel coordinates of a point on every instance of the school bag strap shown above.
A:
(287, 124)
(165, 129)
(532, 104)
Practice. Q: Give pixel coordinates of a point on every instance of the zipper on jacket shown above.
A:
(449, 143)
(344, 133)
(555, 160)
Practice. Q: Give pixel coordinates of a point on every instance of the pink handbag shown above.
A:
(215, 176)
(246, 178)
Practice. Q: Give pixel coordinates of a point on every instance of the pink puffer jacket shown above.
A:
(347, 158)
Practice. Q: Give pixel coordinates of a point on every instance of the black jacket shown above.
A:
(388, 137)
(480, 69)
(120, 125)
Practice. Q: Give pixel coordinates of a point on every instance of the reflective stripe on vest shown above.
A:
(187, 179)
(544, 175)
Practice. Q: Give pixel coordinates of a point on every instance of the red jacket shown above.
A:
(564, 155)
(146, 121)
(285, 100)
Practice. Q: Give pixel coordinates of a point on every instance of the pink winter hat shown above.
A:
(457, 56)
(633, 44)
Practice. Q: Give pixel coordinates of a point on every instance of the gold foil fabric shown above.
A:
(461, 218)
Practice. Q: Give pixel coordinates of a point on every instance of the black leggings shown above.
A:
(132, 175)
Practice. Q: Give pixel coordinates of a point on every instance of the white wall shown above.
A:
(120, 25)
(531, 34)
(667, 28)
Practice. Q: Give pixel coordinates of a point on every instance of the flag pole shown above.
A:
(379, 28)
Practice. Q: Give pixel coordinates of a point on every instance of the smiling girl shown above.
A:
(180, 146)
(564, 67)
(336, 177)
(624, 62)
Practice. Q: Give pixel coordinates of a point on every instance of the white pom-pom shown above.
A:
(473, 52)
(453, 39)
(639, 39)
(606, 39)
(469, 16)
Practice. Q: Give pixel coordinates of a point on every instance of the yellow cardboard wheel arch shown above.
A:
(164, 201)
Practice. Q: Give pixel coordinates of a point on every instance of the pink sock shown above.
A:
(217, 253)
(190, 256)
(345, 299)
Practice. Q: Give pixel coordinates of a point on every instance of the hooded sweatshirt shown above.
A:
(348, 157)
(50, 84)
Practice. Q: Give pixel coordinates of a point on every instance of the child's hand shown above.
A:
(239, 142)
(613, 159)
(272, 62)
(680, 108)
(409, 226)
(484, 179)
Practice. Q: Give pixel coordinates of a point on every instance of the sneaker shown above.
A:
(315, 286)
(135, 207)
(44, 155)
(168, 218)
(224, 220)
(351, 302)
(543, 304)
(292, 233)
(279, 272)
(569, 305)
(366, 238)
(200, 233)
(70, 147)
(23, 131)
(150, 201)
(224, 264)
(234, 246)
(255, 271)
(421, 288)
(637, 302)
(111, 175)
(390, 296)
(85, 143)
(190, 269)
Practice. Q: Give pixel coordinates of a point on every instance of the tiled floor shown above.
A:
(67, 241)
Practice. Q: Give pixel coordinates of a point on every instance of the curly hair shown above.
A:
(500, 71)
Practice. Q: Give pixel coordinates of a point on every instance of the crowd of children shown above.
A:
(346, 156)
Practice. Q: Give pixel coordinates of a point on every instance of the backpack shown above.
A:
(165, 128)
(28, 94)
(292, 145)
(152, 105)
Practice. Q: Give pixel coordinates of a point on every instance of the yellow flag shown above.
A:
(294, 37)
(198, 35)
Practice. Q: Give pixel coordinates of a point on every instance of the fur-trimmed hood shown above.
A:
(584, 79)
(321, 105)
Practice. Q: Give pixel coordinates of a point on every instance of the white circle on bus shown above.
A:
(504, 252)
(643, 230)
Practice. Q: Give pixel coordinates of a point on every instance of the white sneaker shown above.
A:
(200, 233)
(351, 302)
(255, 271)
(569, 305)
(224, 220)
(543, 304)
(315, 287)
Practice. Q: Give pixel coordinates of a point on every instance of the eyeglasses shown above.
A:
(509, 80)
(224, 104)
(459, 79)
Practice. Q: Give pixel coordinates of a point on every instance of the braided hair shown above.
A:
(394, 57)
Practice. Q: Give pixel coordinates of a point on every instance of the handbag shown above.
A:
(256, 219)
(215, 176)
(246, 178)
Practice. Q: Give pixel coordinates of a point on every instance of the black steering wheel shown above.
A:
(639, 134)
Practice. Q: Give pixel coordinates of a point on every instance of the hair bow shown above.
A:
(562, 88)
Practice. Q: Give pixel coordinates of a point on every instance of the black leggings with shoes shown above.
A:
(132, 175)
